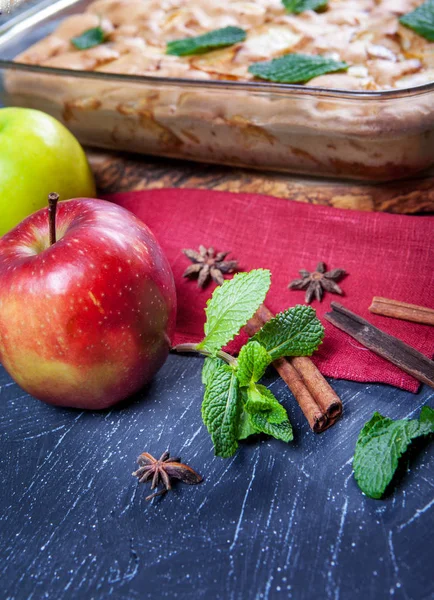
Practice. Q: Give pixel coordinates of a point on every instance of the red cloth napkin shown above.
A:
(384, 255)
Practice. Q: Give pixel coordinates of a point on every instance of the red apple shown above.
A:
(88, 320)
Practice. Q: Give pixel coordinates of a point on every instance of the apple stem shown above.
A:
(53, 199)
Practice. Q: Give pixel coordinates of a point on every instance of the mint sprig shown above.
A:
(296, 68)
(421, 20)
(299, 6)
(235, 405)
(219, 38)
(89, 38)
(380, 445)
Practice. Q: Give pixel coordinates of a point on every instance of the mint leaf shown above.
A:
(378, 449)
(376, 417)
(294, 332)
(260, 399)
(296, 68)
(231, 306)
(221, 409)
(210, 364)
(266, 414)
(421, 20)
(219, 38)
(276, 412)
(426, 421)
(252, 362)
(246, 428)
(281, 431)
(299, 6)
(256, 401)
(89, 39)
(380, 444)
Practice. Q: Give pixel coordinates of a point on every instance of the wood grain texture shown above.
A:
(275, 522)
(116, 172)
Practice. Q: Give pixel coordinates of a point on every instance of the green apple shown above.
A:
(38, 155)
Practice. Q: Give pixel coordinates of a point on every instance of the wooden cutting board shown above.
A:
(119, 172)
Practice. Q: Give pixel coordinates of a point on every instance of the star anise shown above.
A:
(162, 471)
(318, 281)
(207, 264)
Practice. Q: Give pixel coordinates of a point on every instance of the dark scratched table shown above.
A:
(275, 521)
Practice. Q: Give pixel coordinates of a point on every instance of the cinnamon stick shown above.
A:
(387, 346)
(320, 404)
(402, 310)
(324, 395)
(316, 417)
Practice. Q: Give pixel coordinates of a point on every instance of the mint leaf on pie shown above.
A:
(294, 332)
(299, 6)
(221, 409)
(380, 444)
(296, 68)
(252, 362)
(89, 38)
(219, 38)
(231, 306)
(421, 20)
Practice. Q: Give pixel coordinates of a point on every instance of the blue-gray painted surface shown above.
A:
(275, 521)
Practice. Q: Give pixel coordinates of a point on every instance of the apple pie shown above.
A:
(209, 105)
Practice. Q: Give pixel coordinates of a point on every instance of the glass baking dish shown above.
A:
(377, 136)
